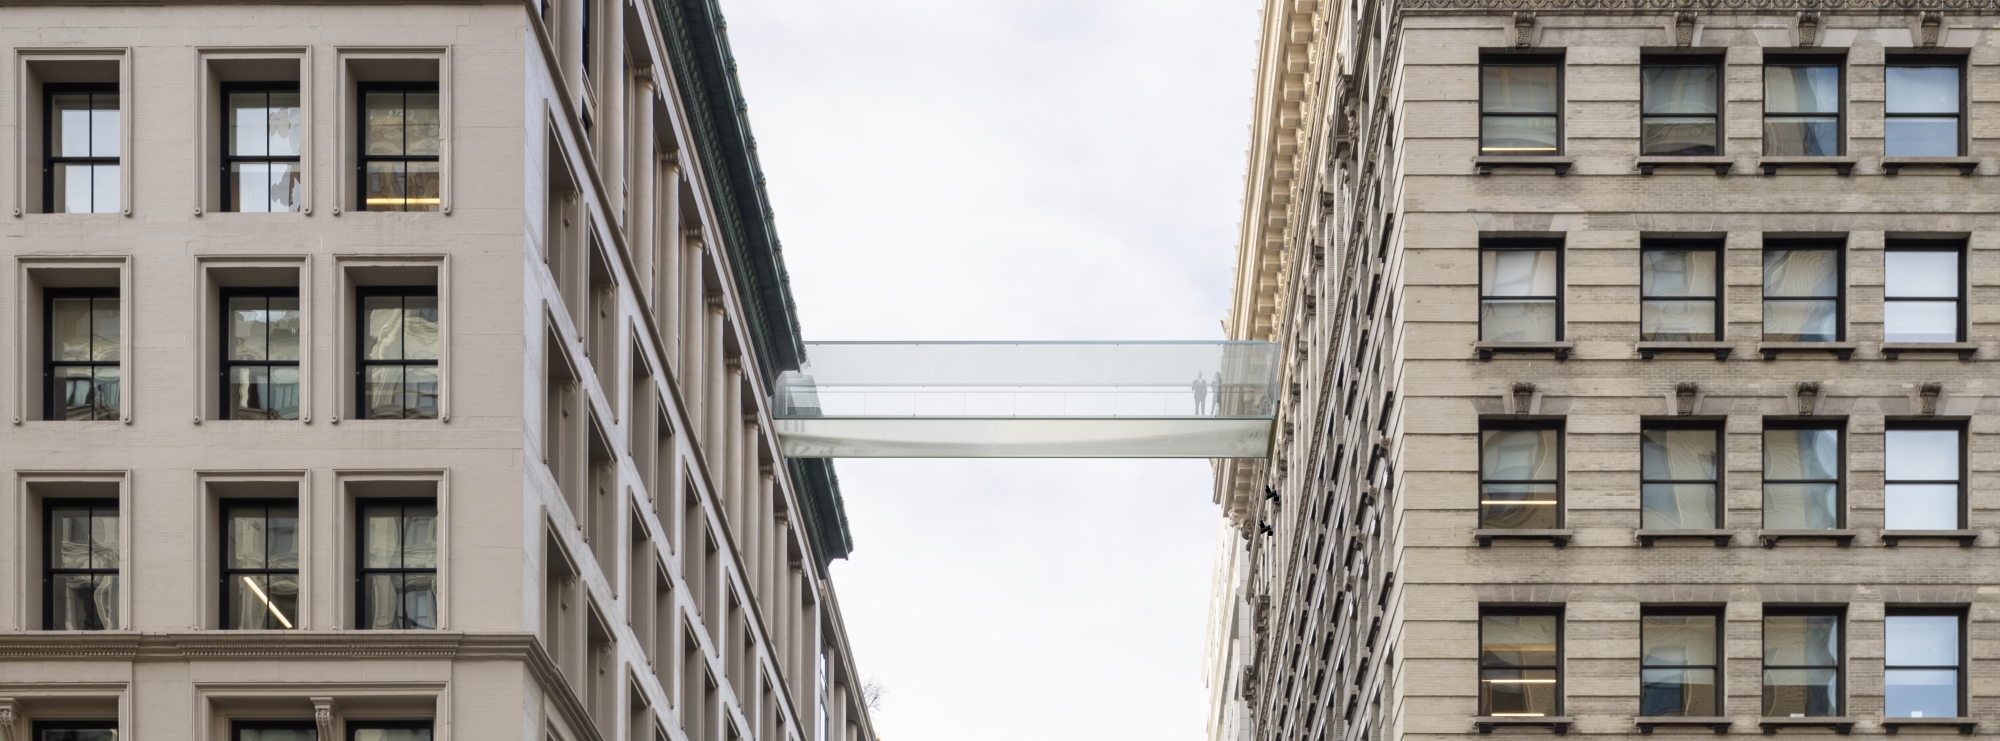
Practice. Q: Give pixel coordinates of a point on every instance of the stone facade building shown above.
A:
(398, 372)
(1638, 373)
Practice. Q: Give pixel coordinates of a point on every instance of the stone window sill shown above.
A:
(1488, 163)
(1964, 165)
(1841, 165)
(1486, 535)
(1771, 538)
(1840, 724)
(1842, 350)
(1964, 726)
(1721, 164)
(1648, 349)
(1556, 723)
(1965, 538)
(1721, 537)
(1964, 350)
(1717, 724)
(1487, 350)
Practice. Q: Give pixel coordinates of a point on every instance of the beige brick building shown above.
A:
(398, 371)
(1638, 376)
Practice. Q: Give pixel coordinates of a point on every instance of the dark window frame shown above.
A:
(1562, 627)
(1956, 246)
(1952, 61)
(1557, 60)
(1721, 655)
(39, 726)
(1839, 247)
(1713, 61)
(49, 157)
(237, 726)
(372, 725)
(1964, 462)
(227, 574)
(229, 131)
(1562, 462)
(1838, 425)
(1524, 244)
(361, 156)
(1718, 427)
(1964, 649)
(226, 365)
(1686, 245)
(1837, 61)
(1839, 614)
(49, 569)
(361, 361)
(49, 364)
(362, 570)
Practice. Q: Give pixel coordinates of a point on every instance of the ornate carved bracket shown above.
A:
(1684, 397)
(1524, 396)
(1524, 29)
(1808, 28)
(1684, 28)
(1928, 394)
(323, 712)
(7, 721)
(1932, 20)
(1808, 397)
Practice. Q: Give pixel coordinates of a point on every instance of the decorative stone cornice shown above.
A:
(1705, 6)
(237, 646)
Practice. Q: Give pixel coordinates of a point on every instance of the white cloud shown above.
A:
(1012, 169)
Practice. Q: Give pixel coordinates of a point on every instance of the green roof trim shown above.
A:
(705, 73)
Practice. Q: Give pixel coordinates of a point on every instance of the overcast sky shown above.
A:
(1013, 170)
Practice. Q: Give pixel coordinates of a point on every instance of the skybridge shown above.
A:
(1029, 400)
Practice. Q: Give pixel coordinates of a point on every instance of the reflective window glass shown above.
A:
(1802, 655)
(1802, 479)
(1678, 665)
(1802, 110)
(1519, 109)
(1520, 478)
(1923, 670)
(1519, 667)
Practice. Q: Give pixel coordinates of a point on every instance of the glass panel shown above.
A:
(420, 328)
(285, 124)
(1518, 455)
(83, 601)
(1677, 640)
(1801, 693)
(249, 124)
(104, 328)
(282, 537)
(384, 187)
(1677, 321)
(383, 392)
(420, 385)
(69, 537)
(103, 398)
(71, 389)
(1921, 507)
(1920, 137)
(1677, 506)
(104, 125)
(424, 192)
(69, 135)
(72, 188)
(1813, 136)
(1921, 89)
(423, 132)
(264, 601)
(1802, 454)
(1920, 321)
(1802, 640)
(381, 529)
(250, 392)
(1517, 321)
(1517, 692)
(284, 398)
(383, 320)
(246, 538)
(1802, 89)
(1517, 89)
(248, 318)
(401, 601)
(1678, 455)
(1678, 90)
(104, 194)
(104, 538)
(1801, 273)
(1920, 693)
(283, 325)
(392, 734)
(1921, 640)
(1801, 321)
(1517, 135)
(420, 545)
(1677, 273)
(384, 115)
(1676, 693)
(250, 184)
(69, 329)
(1517, 273)
(68, 734)
(1921, 455)
(1517, 506)
(1517, 640)
(276, 734)
(1911, 274)
(1685, 137)
(1801, 507)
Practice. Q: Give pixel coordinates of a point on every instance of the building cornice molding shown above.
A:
(258, 645)
(1749, 7)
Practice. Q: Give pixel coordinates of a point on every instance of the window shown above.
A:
(1924, 480)
(1677, 292)
(399, 147)
(260, 353)
(1520, 105)
(1520, 478)
(80, 142)
(100, 730)
(1679, 664)
(1802, 482)
(1924, 667)
(1923, 296)
(262, 134)
(1520, 290)
(260, 565)
(273, 730)
(80, 567)
(397, 578)
(397, 374)
(1922, 114)
(1678, 469)
(1678, 104)
(82, 350)
(1802, 664)
(1520, 667)
(1802, 107)
(379, 730)
(1802, 292)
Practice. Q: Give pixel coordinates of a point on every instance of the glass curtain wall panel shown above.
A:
(398, 568)
(1678, 476)
(400, 144)
(80, 566)
(262, 138)
(1923, 293)
(260, 354)
(1802, 294)
(80, 149)
(1678, 109)
(1802, 665)
(260, 565)
(1924, 480)
(82, 340)
(1923, 110)
(398, 368)
(1520, 478)
(1520, 667)
(1802, 109)
(1677, 293)
(1678, 665)
(1520, 108)
(1802, 479)
(1520, 292)
(1924, 666)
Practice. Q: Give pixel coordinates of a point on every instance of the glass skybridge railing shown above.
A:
(1029, 400)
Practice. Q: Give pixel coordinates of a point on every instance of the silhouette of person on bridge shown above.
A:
(1200, 388)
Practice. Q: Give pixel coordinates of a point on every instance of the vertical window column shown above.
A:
(1520, 663)
(80, 566)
